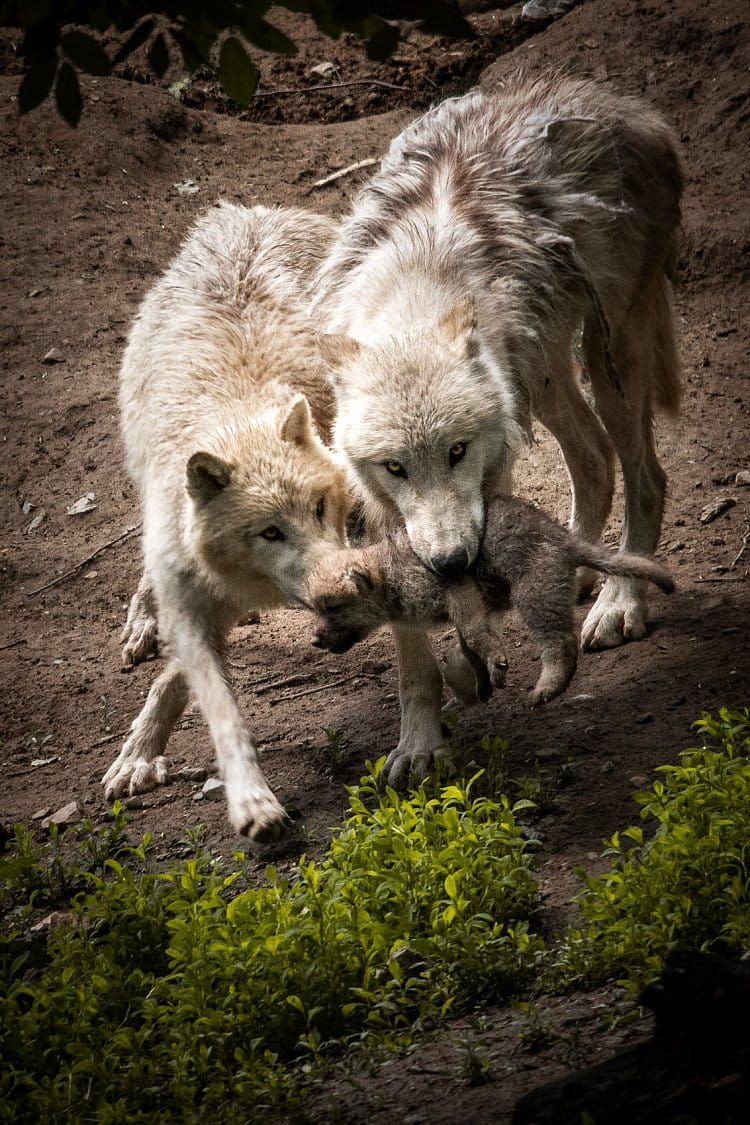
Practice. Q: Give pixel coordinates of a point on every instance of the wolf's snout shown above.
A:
(452, 565)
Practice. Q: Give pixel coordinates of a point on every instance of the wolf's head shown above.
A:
(347, 600)
(268, 500)
(427, 423)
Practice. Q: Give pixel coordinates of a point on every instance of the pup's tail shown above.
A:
(623, 565)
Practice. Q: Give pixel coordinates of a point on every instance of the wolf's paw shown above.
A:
(498, 671)
(257, 814)
(405, 765)
(617, 615)
(462, 679)
(132, 773)
(139, 639)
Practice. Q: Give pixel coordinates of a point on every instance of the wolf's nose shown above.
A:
(450, 566)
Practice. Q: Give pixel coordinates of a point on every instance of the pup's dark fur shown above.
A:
(526, 561)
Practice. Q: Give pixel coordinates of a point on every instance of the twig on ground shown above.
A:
(729, 578)
(366, 163)
(12, 644)
(109, 738)
(84, 562)
(313, 690)
(326, 86)
(290, 681)
(743, 548)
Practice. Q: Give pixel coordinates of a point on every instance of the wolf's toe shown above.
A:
(259, 816)
(134, 774)
(140, 641)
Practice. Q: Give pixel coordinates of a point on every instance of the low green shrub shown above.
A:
(688, 884)
(171, 995)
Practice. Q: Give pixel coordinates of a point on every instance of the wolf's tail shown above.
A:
(623, 565)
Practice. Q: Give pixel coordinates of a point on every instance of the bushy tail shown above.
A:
(623, 565)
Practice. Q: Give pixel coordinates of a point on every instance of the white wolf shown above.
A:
(239, 493)
(498, 225)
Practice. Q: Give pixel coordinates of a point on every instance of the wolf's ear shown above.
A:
(459, 322)
(207, 476)
(297, 423)
(338, 349)
(361, 580)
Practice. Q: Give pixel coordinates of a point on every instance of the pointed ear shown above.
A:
(459, 322)
(297, 423)
(362, 581)
(207, 476)
(337, 349)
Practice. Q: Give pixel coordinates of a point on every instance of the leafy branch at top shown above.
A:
(56, 48)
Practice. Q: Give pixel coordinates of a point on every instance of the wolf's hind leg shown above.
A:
(643, 349)
(140, 635)
(141, 766)
(420, 690)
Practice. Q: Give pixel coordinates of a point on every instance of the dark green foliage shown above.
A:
(55, 46)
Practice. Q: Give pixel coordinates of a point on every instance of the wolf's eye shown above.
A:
(395, 468)
(456, 453)
(320, 508)
(272, 534)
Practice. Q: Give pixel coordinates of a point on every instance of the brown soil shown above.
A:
(89, 218)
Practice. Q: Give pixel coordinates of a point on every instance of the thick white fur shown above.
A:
(217, 384)
(496, 226)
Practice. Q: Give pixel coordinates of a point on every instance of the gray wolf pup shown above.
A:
(525, 561)
(497, 226)
(221, 387)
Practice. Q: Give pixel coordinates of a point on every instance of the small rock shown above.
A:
(37, 520)
(134, 802)
(646, 717)
(639, 781)
(323, 70)
(27, 507)
(677, 545)
(187, 187)
(68, 814)
(36, 762)
(548, 754)
(53, 921)
(191, 773)
(213, 789)
(54, 355)
(85, 503)
(41, 813)
(582, 697)
(743, 479)
(198, 796)
(34, 292)
(546, 9)
(712, 511)
(607, 766)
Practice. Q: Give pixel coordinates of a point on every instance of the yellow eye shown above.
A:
(456, 452)
(395, 468)
(272, 534)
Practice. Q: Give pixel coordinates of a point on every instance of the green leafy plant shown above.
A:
(687, 884)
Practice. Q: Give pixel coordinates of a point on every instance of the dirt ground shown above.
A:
(90, 216)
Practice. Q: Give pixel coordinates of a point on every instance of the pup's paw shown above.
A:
(257, 814)
(132, 773)
(139, 639)
(618, 615)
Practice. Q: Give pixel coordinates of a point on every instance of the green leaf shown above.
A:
(68, 94)
(86, 52)
(158, 55)
(237, 73)
(451, 887)
(37, 83)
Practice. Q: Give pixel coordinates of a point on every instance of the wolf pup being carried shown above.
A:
(497, 226)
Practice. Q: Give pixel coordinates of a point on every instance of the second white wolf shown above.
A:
(239, 493)
(497, 225)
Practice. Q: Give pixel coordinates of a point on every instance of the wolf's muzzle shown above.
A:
(450, 566)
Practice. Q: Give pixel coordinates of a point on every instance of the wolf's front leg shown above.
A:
(420, 691)
(139, 638)
(253, 809)
(141, 766)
